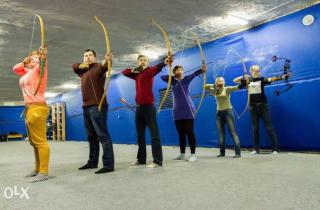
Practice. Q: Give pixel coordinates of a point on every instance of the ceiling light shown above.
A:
(151, 54)
(236, 20)
(69, 86)
(50, 94)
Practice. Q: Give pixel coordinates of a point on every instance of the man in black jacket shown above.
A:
(92, 77)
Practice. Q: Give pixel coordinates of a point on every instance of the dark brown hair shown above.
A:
(89, 50)
(176, 68)
(140, 56)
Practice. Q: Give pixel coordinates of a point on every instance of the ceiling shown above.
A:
(71, 28)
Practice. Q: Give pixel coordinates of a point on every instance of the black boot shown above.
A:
(222, 152)
(237, 153)
(237, 156)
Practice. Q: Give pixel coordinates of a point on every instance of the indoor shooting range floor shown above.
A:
(259, 182)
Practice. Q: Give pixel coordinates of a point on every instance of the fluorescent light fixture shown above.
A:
(50, 94)
(215, 24)
(236, 20)
(151, 54)
(128, 57)
(9, 103)
(69, 86)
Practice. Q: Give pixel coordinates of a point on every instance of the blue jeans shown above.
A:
(262, 111)
(97, 131)
(224, 117)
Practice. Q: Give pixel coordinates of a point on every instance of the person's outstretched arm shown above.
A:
(211, 88)
(190, 77)
(153, 71)
(274, 79)
(165, 78)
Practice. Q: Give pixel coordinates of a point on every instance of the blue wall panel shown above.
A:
(10, 120)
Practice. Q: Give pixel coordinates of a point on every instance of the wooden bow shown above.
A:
(43, 60)
(204, 74)
(107, 40)
(169, 53)
(245, 74)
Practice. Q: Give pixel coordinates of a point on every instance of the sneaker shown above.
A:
(136, 163)
(31, 174)
(39, 178)
(104, 170)
(87, 167)
(254, 152)
(180, 157)
(236, 156)
(192, 158)
(221, 155)
(153, 165)
(275, 152)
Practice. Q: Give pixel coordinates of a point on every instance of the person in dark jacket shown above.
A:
(92, 75)
(259, 107)
(183, 109)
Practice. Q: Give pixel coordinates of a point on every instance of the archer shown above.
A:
(33, 83)
(92, 76)
(145, 111)
(259, 105)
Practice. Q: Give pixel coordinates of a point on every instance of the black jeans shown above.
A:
(262, 111)
(224, 117)
(97, 131)
(185, 128)
(146, 117)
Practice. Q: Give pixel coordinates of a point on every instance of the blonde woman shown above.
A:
(36, 111)
(224, 114)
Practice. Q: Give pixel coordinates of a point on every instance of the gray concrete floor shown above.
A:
(287, 181)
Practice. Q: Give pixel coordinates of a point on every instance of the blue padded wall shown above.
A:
(11, 120)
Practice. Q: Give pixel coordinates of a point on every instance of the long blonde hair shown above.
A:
(217, 90)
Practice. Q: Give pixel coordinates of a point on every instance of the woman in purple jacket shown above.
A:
(183, 109)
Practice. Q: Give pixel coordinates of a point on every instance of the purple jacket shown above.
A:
(183, 107)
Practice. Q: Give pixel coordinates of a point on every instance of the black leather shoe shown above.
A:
(220, 155)
(237, 156)
(87, 167)
(103, 170)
